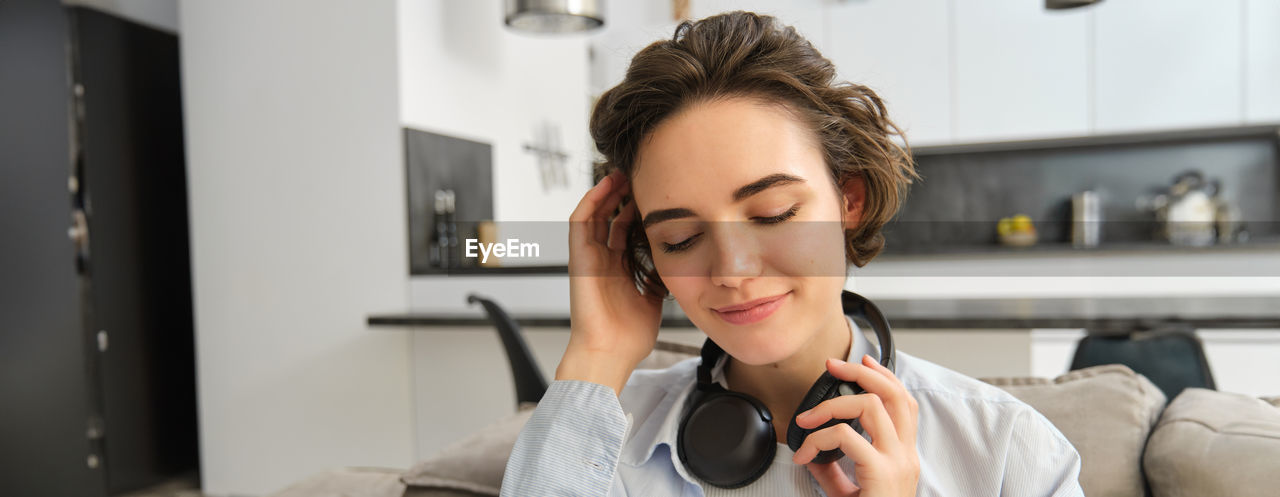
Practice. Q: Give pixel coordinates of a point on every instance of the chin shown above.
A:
(757, 347)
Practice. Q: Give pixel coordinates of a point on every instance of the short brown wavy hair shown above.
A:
(743, 54)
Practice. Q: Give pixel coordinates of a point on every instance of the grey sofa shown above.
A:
(1132, 443)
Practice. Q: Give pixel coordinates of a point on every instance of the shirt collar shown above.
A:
(662, 429)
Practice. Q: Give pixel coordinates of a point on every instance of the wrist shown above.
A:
(607, 371)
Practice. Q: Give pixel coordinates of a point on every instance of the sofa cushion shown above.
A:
(348, 482)
(1106, 412)
(1215, 443)
(475, 464)
(471, 466)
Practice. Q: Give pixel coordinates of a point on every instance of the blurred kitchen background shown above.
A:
(233, 227)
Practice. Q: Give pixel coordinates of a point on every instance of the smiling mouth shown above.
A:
(747, 305)
(750, 312)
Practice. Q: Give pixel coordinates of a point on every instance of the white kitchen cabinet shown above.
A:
(900, 49)
(1163, 64)
(1021, 71)
(1262, 61)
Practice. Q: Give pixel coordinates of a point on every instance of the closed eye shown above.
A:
(780, 217)
(688, 242)
(679, 247)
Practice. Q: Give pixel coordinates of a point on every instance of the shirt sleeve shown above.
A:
(571, 444)
(1040, 460)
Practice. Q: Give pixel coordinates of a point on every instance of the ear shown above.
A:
(853, 199)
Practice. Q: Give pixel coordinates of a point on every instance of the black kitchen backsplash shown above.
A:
(967, 189)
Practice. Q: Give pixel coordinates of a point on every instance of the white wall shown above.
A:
(464, 74)
(298, 232)
(629, 26)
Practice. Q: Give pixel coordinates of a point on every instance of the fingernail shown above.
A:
(806, 413)
(867, 359)
(837, 362)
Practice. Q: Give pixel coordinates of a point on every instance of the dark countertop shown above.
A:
(1102, 313)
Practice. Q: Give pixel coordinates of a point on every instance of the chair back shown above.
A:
(529, 382)
(1170, 355)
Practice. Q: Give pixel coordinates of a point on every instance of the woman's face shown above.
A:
(738, 205)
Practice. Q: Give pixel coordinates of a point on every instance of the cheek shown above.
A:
(686, 291)
(807, 248)
(683, 288)
(683, 265)
(681, 274)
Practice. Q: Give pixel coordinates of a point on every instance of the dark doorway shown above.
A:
(97, 352)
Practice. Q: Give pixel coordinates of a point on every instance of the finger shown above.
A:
(902, 406)
(619, 187)
(581, 216)
(600, 217)
(841, 436)
(605, 211)
(832, 479)
(897, 402)
(873, 364)
(618, 229)
(867, 408)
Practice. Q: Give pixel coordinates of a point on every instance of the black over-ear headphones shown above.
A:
(726, 438)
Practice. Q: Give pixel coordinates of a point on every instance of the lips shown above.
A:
(747, 305)
(753, 311)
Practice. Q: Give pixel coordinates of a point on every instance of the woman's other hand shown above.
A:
(613, 326)
(888, 465)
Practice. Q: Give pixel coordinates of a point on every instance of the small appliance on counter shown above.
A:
(1187, 213)
(445, 249)
(1086, 219)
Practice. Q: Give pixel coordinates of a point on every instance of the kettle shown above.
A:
(1186, 214)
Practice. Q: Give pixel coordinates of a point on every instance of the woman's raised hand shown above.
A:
(888, 465)
(613, 326)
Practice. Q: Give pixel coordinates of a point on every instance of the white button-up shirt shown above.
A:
(973, 439)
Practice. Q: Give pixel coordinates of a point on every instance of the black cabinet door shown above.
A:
(46, 386)
(135, 186)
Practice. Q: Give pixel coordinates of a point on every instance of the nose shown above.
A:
(736, 254)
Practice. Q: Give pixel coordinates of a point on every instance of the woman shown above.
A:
(755, 181)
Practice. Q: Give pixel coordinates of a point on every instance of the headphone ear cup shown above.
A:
(827, 387)
(727, 439)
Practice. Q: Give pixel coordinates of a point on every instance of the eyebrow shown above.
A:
(741, 193)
